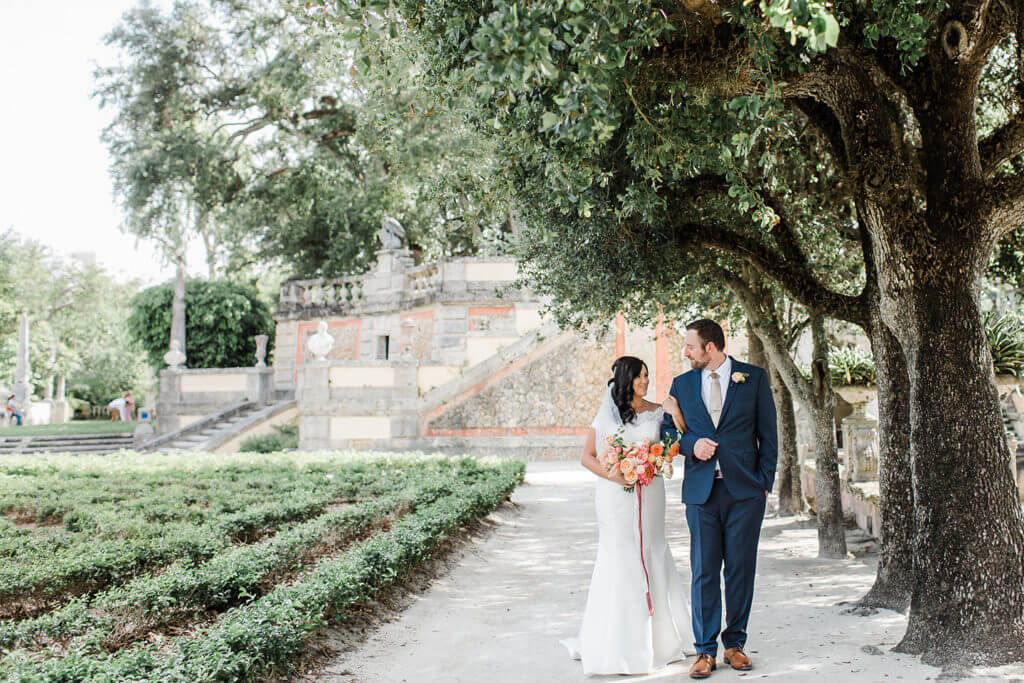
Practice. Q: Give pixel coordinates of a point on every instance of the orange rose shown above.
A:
(657, 449)
(630, 477)
(626, 466)
(673, 450)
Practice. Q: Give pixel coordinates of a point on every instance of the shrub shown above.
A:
(284, 438)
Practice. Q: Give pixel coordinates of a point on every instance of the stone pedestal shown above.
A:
(60, 411)
(144, 431)
(312, 392)
(860, 435)
(167, 399)
(260, 385)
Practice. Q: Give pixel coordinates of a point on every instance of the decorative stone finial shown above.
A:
(261, 350)
(320, 344)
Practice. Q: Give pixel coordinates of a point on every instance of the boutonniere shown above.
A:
(739, 377)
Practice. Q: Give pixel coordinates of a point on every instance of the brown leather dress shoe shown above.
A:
(703, 667)
(737, 659)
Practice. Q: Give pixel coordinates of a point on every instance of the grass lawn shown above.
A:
(69, 428)
(189, 567)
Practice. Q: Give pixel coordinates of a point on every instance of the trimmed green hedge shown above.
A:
(265, 634)
(224, 581)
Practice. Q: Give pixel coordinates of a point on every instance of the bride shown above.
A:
(620, 634)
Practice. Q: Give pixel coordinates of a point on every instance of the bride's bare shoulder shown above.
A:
(649, 405)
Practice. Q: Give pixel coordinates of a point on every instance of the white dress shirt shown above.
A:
(724, 373)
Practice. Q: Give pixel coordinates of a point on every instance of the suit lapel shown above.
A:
(730, 393)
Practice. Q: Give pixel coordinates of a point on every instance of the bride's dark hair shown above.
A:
(625, 369)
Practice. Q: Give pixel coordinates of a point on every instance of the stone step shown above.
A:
(76, 451)
(68, 439)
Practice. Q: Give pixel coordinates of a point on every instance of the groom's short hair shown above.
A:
(708, 331)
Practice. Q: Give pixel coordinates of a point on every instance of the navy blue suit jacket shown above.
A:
(748, 445)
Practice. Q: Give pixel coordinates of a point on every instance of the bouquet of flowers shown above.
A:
(639, 462)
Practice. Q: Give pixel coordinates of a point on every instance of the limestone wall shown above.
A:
(558, 392)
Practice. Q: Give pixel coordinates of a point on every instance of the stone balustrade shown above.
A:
(395, 283)
(337, 292)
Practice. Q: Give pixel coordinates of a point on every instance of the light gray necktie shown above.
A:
(715, 404)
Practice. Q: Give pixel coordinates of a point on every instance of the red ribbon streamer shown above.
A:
(640, 524)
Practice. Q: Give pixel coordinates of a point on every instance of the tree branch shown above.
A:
(1004, 199)
(795, 278)
(1003, 143)
(768, 331)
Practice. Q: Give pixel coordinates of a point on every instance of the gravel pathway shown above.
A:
(512, 594)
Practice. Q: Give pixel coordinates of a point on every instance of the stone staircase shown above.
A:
(94, 444)
(196, 436)
(215, 430)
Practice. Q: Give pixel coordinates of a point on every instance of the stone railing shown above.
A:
(338, 292)
(395, 283)
(424, 281)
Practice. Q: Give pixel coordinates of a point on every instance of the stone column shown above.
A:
(22, 371)
(178, 309)
(60, 409)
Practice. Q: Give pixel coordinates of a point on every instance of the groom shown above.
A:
(731, 450)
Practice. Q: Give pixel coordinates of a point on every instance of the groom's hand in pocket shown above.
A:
(704, 449)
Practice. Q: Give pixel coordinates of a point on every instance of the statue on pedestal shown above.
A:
(175, 358)
(391, 234)
(320, 344)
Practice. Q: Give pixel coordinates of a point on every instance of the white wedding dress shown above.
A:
(619, 635)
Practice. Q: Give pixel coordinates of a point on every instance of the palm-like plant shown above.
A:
(851, 366)
(1006, 342)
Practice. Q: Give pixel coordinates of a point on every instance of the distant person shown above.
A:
(14, 410)
(129, 407)
(117, 408)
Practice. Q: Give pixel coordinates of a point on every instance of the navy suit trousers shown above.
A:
(723, 530)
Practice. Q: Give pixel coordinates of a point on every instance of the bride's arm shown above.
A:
(671, 406)
(590, 461)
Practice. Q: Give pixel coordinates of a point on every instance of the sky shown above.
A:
(54, 183)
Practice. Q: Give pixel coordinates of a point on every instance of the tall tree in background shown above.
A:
(243, 126)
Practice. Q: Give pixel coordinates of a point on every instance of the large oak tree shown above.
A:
(618, 115)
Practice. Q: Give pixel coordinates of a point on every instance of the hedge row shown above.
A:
(267, 633)
(87, 567)
(227, 579)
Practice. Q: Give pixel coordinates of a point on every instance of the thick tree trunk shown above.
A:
(968, 591)
(895, 576)
(828, 502)
(791, 497)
